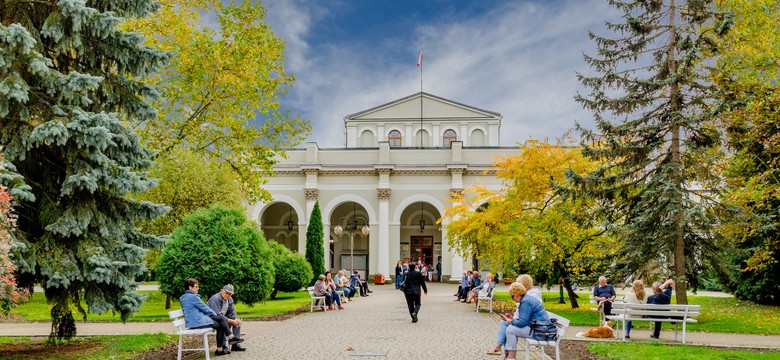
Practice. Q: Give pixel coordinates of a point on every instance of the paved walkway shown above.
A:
(379, 326)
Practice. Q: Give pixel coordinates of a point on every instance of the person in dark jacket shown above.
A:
(222, 304)
(414, 280)
(662, 295)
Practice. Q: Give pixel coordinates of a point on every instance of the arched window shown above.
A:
(394, 138)
(449, 137)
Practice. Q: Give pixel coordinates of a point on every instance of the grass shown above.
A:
(154, 308)
(91, 348)
(718, 314)
(657, 351)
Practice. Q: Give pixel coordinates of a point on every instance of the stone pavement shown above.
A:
(379, 326)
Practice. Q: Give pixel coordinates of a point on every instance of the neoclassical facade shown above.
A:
(401, 164)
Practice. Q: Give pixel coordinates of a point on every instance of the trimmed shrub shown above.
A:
(217, 246)
(292, 271)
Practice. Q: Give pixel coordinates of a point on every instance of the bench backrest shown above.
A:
(564, 322)
(675, 310)
(178, 319)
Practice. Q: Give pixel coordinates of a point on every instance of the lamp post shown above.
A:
(351, 227)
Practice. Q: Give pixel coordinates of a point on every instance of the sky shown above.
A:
(515, 57)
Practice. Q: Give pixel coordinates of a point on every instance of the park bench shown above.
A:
(563, 323)
(481, 298)
(600, 309)
(181, 330)
(316, 301)
(677, 314)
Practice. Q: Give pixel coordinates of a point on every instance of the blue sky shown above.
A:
(518, 58)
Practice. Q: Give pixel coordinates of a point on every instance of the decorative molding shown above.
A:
(311, 194)
(383, 193)
(455, 191)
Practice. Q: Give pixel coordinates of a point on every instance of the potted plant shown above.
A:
(509, 276)
(379, 279)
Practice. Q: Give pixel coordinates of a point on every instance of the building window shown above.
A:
(449, 137)
(394, 138)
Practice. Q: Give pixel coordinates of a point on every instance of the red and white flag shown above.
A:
(419, 61)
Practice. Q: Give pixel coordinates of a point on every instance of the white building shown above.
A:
(396, 174)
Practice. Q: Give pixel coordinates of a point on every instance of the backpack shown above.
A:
(544, 330)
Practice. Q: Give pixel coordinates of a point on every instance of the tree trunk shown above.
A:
(273, 294)
(679, 233)
(167, 301)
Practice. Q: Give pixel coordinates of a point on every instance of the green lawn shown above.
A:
(718, 314)
(91, 348)
(154, 308)
(656, 351)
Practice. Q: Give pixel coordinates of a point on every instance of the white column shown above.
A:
(326, 245)
(302, 238)
(383, 248)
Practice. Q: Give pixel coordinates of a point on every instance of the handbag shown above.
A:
(544, 330)
(402, 286)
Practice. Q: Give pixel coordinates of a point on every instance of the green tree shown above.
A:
(222, 88)
(217, 246)
(68, 87)
(748, 70)
(292, 271)
(315, 251)
(527, 223)
(654, 109)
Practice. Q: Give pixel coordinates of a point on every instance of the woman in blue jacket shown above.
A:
(519, 325)
(197, 315)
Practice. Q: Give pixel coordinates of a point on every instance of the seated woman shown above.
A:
(322, 288)
(486, 287)
(475, 282)
(197, 316)
(341, 284)
(528, 283)
(511, 327)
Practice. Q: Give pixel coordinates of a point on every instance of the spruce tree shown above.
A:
(654, 110)
(315, 251)
(67, 91)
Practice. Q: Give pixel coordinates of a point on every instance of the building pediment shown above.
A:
(433, 108)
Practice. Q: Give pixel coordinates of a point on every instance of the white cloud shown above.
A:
(519, 60)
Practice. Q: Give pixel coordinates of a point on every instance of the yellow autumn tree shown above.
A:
(222, 87)
(527, 225)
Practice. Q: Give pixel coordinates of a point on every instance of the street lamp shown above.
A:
(290, 220)
(351, 227)
(422, 217)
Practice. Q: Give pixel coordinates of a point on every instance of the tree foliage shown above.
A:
(315, 250)
(654, 109)
(217, 246)
(292, 271)
(527, 224)
(222, 87)
(68, 87)
(748, 70)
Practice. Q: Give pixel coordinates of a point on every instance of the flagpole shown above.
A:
(419, 62)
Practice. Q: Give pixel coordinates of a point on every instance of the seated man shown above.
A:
(359, 284)
(662, 294)
(197, 316)
(222, 303)
(341, 284)
(605, 294)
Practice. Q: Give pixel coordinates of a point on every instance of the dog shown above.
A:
(602, 332)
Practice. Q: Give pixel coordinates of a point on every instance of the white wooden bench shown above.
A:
(181, 330)
(677, 314)
(486, 298)
(600, 309)
(563, 324)
(317, 302)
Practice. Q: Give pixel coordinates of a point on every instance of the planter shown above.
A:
(379, 279)
(507, 281)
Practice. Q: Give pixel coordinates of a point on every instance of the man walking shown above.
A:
(438, 271)
(222, 303)
(414, 280)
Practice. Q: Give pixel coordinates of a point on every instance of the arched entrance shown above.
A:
(420, 239)
(279, 222)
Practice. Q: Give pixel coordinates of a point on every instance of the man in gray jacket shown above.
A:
(222, 303)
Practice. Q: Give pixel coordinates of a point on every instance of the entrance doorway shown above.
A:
(422, 247)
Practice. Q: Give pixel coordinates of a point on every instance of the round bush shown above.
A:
(217, 246)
